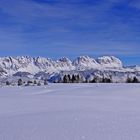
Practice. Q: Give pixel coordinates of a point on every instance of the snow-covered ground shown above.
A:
(70, 112)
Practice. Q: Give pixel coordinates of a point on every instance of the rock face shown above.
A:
(40, 67)
(85, 62)
(110, 62)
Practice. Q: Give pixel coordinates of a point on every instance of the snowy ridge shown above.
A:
(110, 61)
(40, 67)
(11, 65)
(33, 65)
(85, 62)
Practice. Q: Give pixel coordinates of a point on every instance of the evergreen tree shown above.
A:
(135, 80)
(7, 83)
(78, 79)
(106, 80)
(129, 80)
(73, 78)
(45, 82)
(29, 83)
(69, 79)
(35, 82)
(86, 81)
(39, 84)
(93, 80)
(65, 79)
(19, 82)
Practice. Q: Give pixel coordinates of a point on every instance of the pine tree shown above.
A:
(69, 79)
(29, 83)
(78, 78)
(135, 80)
(73, 78)
(129, 80)
(35, 82)
(106, 80)
(39, 84)
(93, 80)
(45, 82)
(65, 79)
(7, 83)
(19, 82)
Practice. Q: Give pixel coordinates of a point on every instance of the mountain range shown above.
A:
(40, 67)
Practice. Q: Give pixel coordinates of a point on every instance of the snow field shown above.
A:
(70, 112)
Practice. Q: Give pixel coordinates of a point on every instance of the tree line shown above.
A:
(67, 78)
(21, 82)
(76, 78)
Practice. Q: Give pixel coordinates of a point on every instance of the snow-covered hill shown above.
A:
(38, 67)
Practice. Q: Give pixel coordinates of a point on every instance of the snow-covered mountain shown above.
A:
(33, 65)
(110, 62)
(85, 62)
(26, 66)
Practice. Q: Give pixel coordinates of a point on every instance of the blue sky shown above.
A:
(56, 28)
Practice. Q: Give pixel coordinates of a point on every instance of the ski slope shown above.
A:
(70, 112)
